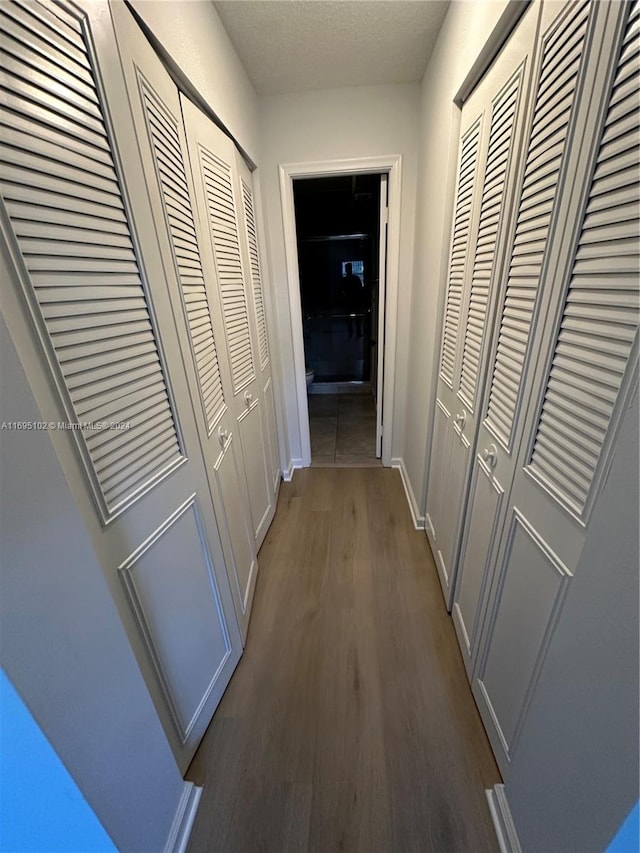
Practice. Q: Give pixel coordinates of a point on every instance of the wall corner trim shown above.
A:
(183, 820)
(502, 821)
(418, 519)
(287, 473)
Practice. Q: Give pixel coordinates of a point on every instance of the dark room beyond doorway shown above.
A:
(338, 239)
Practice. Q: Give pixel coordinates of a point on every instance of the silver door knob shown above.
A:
(490, 455)
(248, 397)
(459, 420)
(223, 436)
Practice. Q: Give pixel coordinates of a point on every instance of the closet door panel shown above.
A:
(561, 53)
(555, 72)
(456, 459)
(92, 316)
(157, 112)
(249, 229)
(598, 322)
(222, 221)
(443, 516)
(163, 131)
(504, 110)
(90, 296)
(218, 193)
(533, 581)
(243, 564)
(492, 120)
(585, 374)
(161, 598)
(466, 200)
(254, 265)
(265, 425)
(254, 435)
(485, 501)
(448, 470)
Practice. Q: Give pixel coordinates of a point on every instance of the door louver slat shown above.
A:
(72, 230)
(163, 135)
(602, 307)
(256, 277)
(459, 249)
(226, 246)
(552, 109)
(500, 141)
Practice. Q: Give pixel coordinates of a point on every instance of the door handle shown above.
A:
(248, 397)
(459, 420)
(490, 455)
(223, 436)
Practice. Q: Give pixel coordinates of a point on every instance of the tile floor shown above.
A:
(343, 430)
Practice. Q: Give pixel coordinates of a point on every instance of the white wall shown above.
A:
(62, 642)
(193, 34)
(574, 776)
(337, 124)
(464, 32)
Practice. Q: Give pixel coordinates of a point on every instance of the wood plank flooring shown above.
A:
(349, 724)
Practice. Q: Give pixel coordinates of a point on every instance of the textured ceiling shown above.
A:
(293, 45)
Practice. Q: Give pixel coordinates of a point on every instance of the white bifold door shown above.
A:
(517, 290)
(491, 136)
(582, 374)
(202, 197)
(137, 294)
(562, 359)
(90, 307)
(224, 194)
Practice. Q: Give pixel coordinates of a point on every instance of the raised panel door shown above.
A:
(490, 147)
(91, 311)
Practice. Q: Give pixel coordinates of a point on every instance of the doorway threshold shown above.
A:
(352, 387)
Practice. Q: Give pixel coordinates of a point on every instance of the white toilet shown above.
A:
(310, 374)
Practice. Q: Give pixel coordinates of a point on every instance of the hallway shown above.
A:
(349, 723)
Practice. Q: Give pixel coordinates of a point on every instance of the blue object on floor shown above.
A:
(41, 808)
(627, 839)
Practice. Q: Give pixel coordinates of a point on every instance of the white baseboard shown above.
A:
(184, 818)
(287, 475)
(502, 821)
(418, 519)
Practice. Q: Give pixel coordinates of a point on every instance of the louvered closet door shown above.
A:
(586, 350)
(249, 230)
(99, 324)
(158, 116)
(212, 160)
(558, 58)
(492, 125)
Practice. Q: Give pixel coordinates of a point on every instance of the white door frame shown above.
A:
(392, 166)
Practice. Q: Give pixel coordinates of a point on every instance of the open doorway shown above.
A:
(390, 168)
(341, 248)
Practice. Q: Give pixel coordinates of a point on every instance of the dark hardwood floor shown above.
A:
(349, 723)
